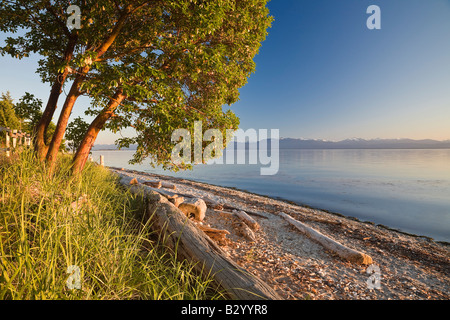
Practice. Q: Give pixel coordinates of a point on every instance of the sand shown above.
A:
(410, 267)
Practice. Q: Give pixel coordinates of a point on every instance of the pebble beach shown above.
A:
(408, 267)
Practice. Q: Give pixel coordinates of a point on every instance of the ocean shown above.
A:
(405, 189)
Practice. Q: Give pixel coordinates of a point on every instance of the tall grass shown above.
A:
(47, 225)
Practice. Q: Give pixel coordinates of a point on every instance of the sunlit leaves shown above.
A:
(177, 61)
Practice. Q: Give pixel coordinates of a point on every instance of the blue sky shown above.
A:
(322, 74)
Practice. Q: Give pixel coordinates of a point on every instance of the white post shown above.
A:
(14, 139)
(7, 143)
(102, 161)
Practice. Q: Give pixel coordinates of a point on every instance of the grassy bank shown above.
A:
(91, 223)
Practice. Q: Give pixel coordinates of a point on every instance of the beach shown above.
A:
(408, 267)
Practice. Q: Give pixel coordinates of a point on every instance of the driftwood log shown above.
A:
(212, 230)
(215, 234)
(209, 202)
(158, 184)
(240, 224)
(330, 244)
(153, 184)
(245, 231)
(247, 219)
(194, 245)
(176, 200)
(253, 213)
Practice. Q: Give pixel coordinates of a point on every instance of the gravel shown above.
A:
(410, 267)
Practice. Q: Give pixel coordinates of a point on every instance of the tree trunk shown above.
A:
(84, 149)
(40, 145)
(74, 93)
(62, 124)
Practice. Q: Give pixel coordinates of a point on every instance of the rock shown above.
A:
(193, 207)
(134, 181)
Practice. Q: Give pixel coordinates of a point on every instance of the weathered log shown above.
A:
(153, 184)
(247, 219)
(212, 230)
(164, 192)
(195, 207)
(158, 184)
(253, 213)
(215, 234)
(246, 232)
(209, 202)
(176, 200)
(194, 245)
(241, 227)
(226, 213)
(330, 244)
(169, 185)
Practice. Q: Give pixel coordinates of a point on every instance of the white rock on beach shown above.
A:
(194, 207)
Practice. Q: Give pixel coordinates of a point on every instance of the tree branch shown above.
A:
(61, 24)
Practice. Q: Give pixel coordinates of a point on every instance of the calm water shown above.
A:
(404, 189)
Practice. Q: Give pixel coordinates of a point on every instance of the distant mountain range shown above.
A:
(355, 143)
(111, 147)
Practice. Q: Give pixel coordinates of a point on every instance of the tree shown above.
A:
(153, 65)
(8, 117)
(28, 109)
(29, 113)
(47, 35)
(62, 49)
(25, 115)
(75, 133)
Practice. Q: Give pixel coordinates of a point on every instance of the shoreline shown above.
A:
(299, 268)
(167, 177)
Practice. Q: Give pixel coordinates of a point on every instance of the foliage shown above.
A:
(28, 109)
(8, 117)
(201, 55)
(175, 61)
(75, 133)
(24, 115)
(91, 222)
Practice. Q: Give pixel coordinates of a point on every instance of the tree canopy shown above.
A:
(8, 117)
(153, 65)
(28, 109)
(75, 133)
(24, 115)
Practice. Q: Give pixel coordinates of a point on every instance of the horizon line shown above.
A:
(334, 141)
